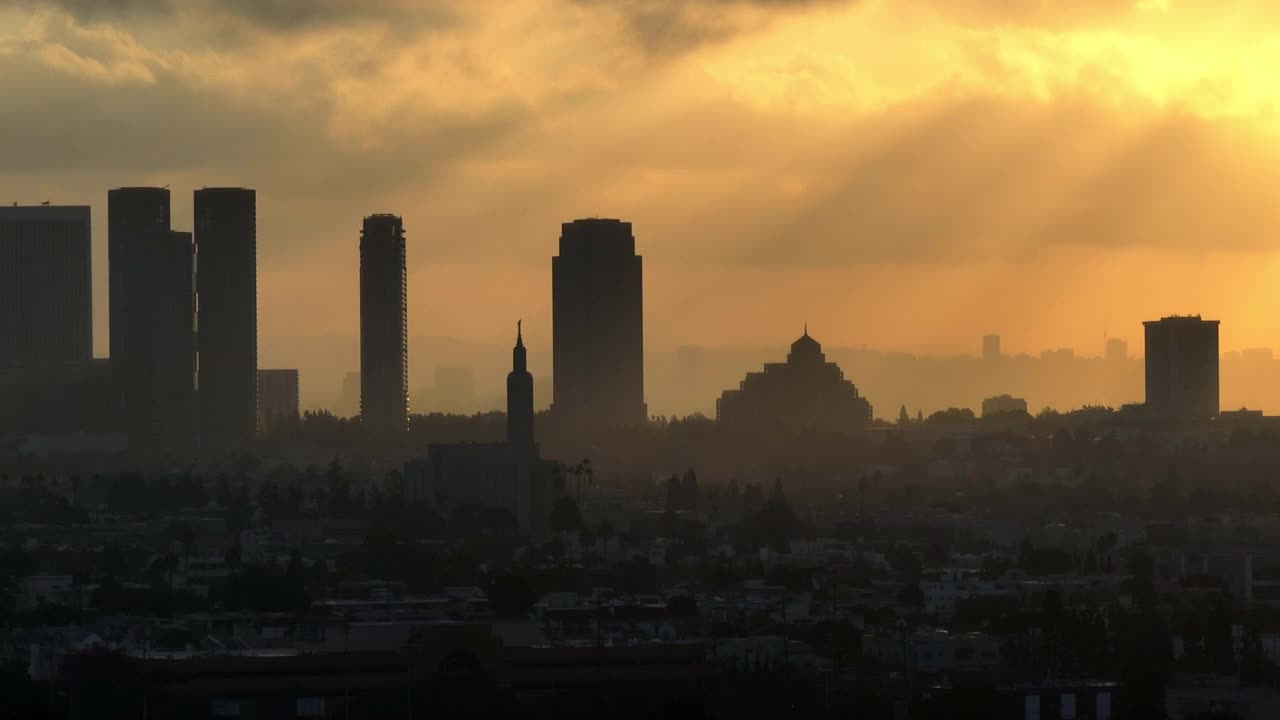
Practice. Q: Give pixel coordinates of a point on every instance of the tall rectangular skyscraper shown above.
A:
(132, 213)
(46, 286)
(227, 324)
(152, 318)
(990, 347)
(1182, 367)
(384, 328)
(277, 399)
(597, 297)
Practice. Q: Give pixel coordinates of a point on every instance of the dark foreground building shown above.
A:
(442, 670)
(1182, 367)
(227, 341)
(598, 326)
(153, 345)
(277, 399)
(805, 392)
(510, 476)
(384, 330)
(46, 286)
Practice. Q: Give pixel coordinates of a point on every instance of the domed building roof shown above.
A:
(806, 346)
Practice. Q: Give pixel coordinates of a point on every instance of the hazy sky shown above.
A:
(904, 174)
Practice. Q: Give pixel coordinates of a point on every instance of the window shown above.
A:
(224, 708)
(310, 707)
(1103, 705)
(1032, 707)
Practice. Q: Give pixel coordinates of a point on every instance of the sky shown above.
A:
(898, 174)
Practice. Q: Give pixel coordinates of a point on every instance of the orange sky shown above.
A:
(903, 174)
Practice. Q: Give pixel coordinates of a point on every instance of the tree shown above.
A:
(187, 539)
(605, 532)
(113, 564)
(952, 416)
(903, 417)
(565, 516)
(689, 492)
(911, 595)
(586, 538)
(682, 606)
(510, 595)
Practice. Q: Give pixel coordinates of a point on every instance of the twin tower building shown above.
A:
(597, 333)
(183, 317)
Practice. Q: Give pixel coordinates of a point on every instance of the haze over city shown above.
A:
(684, 359)
(900, 175)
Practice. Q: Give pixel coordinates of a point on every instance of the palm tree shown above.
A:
(605, 532)
(187, 537)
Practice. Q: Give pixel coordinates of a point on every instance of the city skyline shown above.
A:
(318, 395)
(880, 359)
(803, 175)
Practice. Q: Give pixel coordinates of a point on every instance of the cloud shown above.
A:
(672, 27)
(235, 22)
(97, 10)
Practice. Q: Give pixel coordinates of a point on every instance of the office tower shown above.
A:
(152, 312)
(1003, 405)
(58, 399)
(598, 326)
(384, 331)
(1117, 350)
(1182, 367)
(132, 213)
(277, 399)
(990, 347)
(46, 286)
(227, 328)
(519, 398)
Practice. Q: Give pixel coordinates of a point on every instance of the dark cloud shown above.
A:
(270, 15)
(94, 10)
(676, 26)
(286, 15)
(57, 123)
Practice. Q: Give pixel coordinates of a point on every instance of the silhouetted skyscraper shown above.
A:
(152, 318)
(384, 330)
(277, 399)
(132, 213)
(990, 347)
(519, 398)
(227, 336)
(46, 286)
(1117, 350)
(598, 326)
(1182, 367)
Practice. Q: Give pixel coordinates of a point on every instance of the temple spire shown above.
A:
(520, 397)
